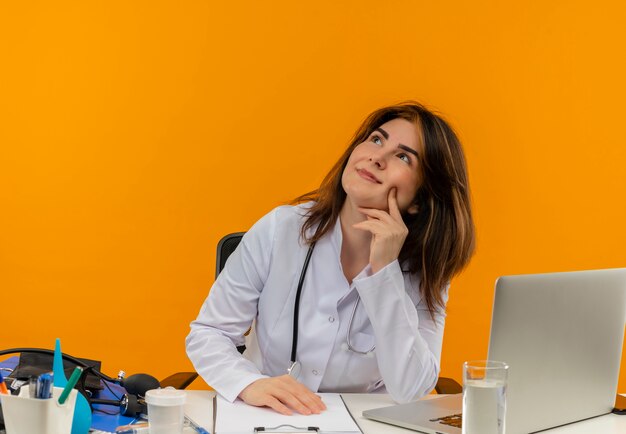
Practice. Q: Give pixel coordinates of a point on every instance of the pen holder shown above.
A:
(25, 415)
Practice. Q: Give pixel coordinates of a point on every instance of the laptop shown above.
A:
(561, 335)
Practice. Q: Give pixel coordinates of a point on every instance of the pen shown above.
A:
(70, 384)
(3, 385)
(32, 387)
(195, 426)
(140, 430)
(44, 385)
(123, 428)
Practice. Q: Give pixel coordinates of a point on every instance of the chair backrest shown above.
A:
(229, 243)
(225, 247)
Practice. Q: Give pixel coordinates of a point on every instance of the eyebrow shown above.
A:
(409, 150)
(383, 132)
(400, 145)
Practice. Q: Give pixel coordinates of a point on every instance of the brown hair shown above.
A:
(441, 235)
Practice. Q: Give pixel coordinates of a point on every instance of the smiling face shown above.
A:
(388, 158)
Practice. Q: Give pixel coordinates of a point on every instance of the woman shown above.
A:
(388, 228)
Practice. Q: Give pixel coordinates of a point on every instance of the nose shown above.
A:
(379, 158)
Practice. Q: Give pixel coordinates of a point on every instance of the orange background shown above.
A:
(135, 134)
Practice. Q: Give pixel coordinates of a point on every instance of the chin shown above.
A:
(372, 203)
(364, 198)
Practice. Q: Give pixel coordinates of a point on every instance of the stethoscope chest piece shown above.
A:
(294, 370)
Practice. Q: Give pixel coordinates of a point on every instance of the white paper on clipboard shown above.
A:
(240, 418)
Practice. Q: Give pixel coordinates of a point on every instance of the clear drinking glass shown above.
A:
(484, 397)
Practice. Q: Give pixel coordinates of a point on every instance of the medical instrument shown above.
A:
(350, 347)
(295, 367)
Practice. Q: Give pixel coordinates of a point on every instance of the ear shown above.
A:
(413, 209)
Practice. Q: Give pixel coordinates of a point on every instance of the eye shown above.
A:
(377, 140)
(404, 157)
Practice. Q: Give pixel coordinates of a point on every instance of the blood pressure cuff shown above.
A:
(34, 364)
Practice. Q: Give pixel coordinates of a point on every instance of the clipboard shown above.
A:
(240, 418)
(286, 429)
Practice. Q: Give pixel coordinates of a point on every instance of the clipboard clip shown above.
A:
(286, 429)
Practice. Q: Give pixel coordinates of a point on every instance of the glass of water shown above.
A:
(484, 397)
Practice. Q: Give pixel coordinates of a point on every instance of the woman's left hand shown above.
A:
(388, 232)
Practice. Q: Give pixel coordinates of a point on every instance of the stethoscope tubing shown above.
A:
(296, 311)
(350, 347)
(294, 368)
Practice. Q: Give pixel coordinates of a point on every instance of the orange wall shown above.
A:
(135, 134)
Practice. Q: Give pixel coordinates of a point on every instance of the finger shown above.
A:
(277, 405)
(312, 401)
(312, 404)
(376, 214)
(392, 199)
(375, 227)
(305, 395)
(322, 402)
(287, 397)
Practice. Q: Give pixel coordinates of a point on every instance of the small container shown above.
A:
(166, 410)
(25, 415)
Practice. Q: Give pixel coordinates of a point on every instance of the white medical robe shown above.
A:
(259, 283)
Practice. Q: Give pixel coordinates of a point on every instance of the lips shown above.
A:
(368, 176)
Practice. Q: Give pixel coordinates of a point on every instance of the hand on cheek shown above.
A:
(388, 232)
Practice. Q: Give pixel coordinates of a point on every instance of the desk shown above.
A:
(200, 408)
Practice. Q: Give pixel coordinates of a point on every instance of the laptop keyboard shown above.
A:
(452, 420)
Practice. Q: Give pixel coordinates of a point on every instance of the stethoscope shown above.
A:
(295, 367)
